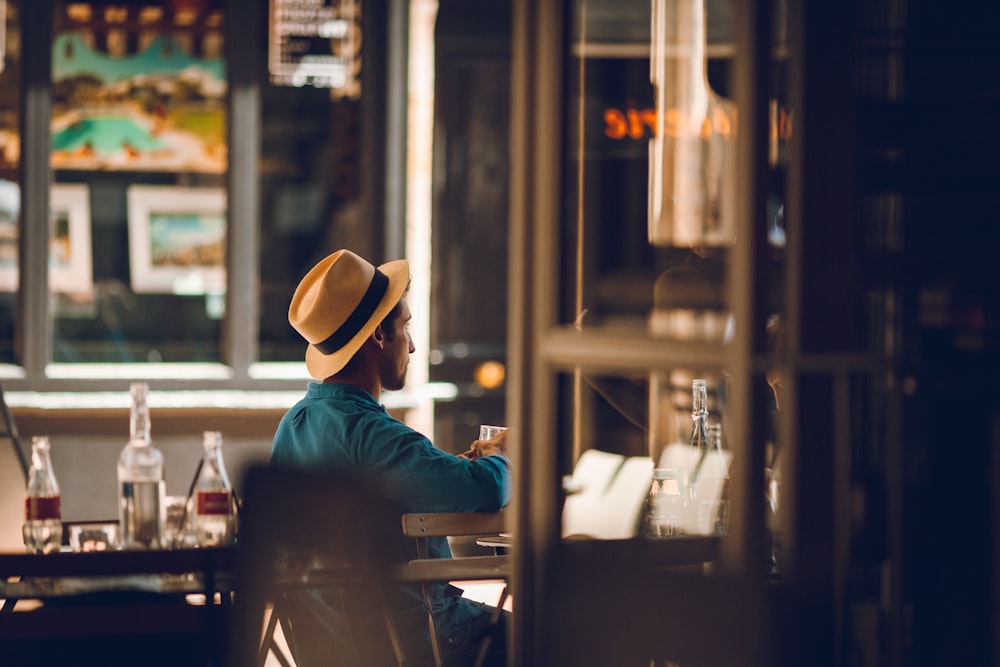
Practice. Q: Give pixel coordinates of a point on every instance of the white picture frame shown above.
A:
(70, 256)
(71, 266)
(177, 239)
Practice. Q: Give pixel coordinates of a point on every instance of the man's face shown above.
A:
(398, 348)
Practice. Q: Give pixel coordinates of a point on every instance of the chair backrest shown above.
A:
(704, 500)
(594, 471)
(679, 456)
(614, 514)
(295, 524)
(428, 570)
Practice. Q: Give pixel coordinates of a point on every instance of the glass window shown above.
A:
(649, 253)
(10, 189)
(139, 159)
(650, 169)
(310, 200)
(144, 208)
(649, 224)
(311, 163)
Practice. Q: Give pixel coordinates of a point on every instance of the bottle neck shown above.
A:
(699, 413)
(42, 479)
(212, 443)
(40, 458)
(139, 424)
(213, 453)
(699, 430)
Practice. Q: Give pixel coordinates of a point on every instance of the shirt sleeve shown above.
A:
(423, 478)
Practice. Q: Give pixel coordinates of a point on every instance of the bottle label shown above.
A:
(213, 502)
(42, 508)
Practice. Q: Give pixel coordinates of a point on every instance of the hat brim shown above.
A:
(322, 366)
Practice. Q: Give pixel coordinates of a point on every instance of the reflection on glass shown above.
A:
(671, 408)
(307, 212)
(688, 302)
(10, 156)
(692, 152)
(626, 270)
(650, 418)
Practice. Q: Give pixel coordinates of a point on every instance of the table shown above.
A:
(156, 607)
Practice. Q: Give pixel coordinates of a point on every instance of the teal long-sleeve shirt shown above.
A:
(344, 428)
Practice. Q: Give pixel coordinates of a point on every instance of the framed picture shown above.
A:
(70, 259)
(177, 239)
(10, 211)
(71, 267)
(159, 108)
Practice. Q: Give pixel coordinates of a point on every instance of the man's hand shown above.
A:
(495, 445)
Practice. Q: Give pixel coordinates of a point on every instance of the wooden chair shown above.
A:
(341, 541)
(593, 472)
(304, 530)
(427, 571)
(613, 514)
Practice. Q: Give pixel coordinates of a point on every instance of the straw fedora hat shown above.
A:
(338, 305)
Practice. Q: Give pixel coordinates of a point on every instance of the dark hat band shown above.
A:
(352, 325)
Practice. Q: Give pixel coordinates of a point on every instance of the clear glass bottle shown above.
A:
(214, 515)
(699, 414)
(140, 480)
(665, 504)
(715, 447)
(42, 529)
(715, 437)
(772, 491)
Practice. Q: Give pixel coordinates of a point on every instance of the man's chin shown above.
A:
(395, 386)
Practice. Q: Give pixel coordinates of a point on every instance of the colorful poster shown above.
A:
(158, 109)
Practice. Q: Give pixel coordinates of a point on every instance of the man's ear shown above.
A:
(378, 336)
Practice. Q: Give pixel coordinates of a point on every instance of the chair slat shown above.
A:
(473, 568)
(445, 524)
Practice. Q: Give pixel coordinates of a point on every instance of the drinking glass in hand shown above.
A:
(487, 432)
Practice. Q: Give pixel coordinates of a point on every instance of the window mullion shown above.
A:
(241, 327)
(34, 327)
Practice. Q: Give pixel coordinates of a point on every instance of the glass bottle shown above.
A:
(715, 448)
(772, 490)
(42, 528)
(715, 438)
(694, 506)
(664, 504)
(699, 415)
(692, 154)
(214, 516)
(140, 480)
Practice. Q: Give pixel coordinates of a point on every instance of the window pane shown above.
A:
(10, 150)
(650, 167)
(311, 177)
(649, 416)
(138, 203)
